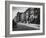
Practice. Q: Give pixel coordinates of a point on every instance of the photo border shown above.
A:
(7, 18)
(27, 31)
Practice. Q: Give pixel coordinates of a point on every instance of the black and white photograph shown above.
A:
(25, 18)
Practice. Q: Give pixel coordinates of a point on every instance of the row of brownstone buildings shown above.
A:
(31, 15)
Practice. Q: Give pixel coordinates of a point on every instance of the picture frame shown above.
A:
(11, 9)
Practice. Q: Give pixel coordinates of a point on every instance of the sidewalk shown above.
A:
(30, 25)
